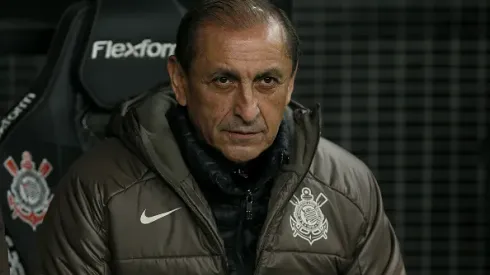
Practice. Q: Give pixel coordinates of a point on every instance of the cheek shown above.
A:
(273, 111)
(210, 110)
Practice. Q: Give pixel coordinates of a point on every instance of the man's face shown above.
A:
(237, 88)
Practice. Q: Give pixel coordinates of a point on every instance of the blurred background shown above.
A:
(403, 85)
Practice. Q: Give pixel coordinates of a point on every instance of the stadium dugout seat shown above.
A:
(101, 54)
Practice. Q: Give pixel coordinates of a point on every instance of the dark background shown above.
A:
(404, 86)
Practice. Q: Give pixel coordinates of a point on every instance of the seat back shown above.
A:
(117, 65)
(64, 113)
(37, 138)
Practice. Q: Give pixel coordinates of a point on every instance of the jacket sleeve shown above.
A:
(73, 238)
(4, 265)
(378, 250)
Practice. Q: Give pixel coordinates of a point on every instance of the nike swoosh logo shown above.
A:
(147, 220)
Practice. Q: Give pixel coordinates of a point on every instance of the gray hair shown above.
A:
(238, 14)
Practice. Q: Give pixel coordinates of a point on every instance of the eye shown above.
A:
(222, 81)
(268, 82)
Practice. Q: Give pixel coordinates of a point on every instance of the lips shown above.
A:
(243, 133)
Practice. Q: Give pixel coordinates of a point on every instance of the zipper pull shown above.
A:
(249, 203)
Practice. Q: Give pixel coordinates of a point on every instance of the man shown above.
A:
(4, 265)
(224, 175)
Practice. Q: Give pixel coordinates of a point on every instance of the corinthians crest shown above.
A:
(29, 195)
(308, 221)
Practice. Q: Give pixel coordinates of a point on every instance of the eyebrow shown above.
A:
(231, 73)
(274, 72)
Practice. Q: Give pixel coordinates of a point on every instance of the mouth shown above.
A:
(242, 135)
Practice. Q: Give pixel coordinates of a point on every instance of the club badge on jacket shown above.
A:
(308, 221)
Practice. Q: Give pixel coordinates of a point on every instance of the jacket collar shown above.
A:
(143, 127)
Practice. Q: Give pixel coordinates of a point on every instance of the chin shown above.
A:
(241, 154)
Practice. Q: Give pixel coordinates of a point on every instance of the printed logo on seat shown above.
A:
(29, 195)
(13, 116)
(145, 49)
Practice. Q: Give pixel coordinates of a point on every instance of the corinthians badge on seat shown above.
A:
(29, 195)
(308, 221)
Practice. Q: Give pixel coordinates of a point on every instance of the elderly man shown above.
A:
(222, 173)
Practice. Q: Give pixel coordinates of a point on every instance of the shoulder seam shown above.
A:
(136, 181)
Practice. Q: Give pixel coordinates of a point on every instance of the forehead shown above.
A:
(255, 46)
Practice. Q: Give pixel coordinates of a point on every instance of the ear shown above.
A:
(178, 80)
(291, 84)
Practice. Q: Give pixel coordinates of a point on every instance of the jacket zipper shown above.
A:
(248, 215)
(249, 200)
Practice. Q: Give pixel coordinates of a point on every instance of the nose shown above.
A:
(246, 105)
